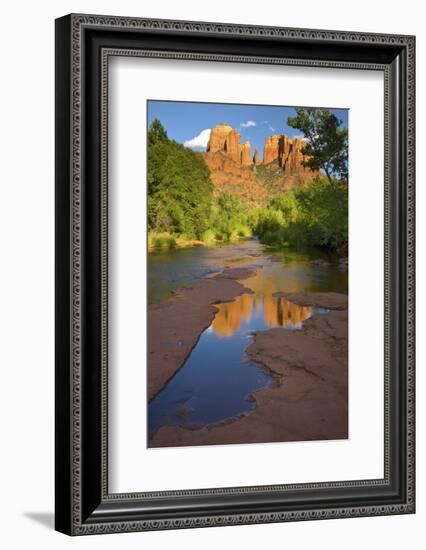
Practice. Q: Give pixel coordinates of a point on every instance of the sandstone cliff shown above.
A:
(271, 149)
(234, 169)
(234, 177)
(256, 158)
(218, 138)
(287, 152)
(246, 154)
(224, 138)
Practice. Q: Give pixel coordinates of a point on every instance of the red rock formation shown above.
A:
(256, 159)
(288, 154)
(285, 149)
(218, 137)
(271, 148)
(293, 163)
(224, 138)
(233, 177)
(232, 145)
(291, 160)
(282, 149)
(232, 166)
(246, 154)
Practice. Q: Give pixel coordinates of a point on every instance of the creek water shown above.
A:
(217, 381)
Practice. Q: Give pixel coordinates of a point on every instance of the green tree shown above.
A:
(316, 215)
(156, 133)
(179, 186)
(326, 142)
(325, 211)
(231, 218)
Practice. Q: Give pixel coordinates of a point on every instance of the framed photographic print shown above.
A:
(234, 274)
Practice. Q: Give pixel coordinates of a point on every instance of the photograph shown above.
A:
(248, 256)
(210, 296)
(234, 272)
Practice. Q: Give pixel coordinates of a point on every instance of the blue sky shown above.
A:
(189, 123)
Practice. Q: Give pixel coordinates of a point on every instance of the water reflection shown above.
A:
(289, 271)
(275, 312)
(217, 379)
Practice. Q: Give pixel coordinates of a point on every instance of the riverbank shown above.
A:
(310, 400)
(161, 242)
(166, 241)
(176, 324)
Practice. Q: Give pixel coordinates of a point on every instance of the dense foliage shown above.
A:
(326, 142)
(179, 187)
(180, 197)
(231, 218)
(182, 208)
(316, 215)
(307, 216)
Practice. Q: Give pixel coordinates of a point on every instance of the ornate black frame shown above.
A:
(83, 46)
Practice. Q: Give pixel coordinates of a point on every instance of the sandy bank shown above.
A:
(176, 324)
(311, 400)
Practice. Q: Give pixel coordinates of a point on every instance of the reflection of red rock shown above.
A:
(280, 313)
(277, 312)
(175, 324)
(230, 315)
(309, 404)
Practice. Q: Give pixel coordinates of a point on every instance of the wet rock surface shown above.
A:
(176, 324)
(328, 300)
(309, 400)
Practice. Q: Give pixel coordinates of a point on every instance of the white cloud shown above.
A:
(200, 141)
(299, 136)
(248, 124)
(272, 129)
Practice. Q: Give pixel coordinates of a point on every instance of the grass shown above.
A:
(167, 241)
(161, 242)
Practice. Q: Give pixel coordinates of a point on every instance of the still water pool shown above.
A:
(217, 381)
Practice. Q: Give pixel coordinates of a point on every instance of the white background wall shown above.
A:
(26, 289)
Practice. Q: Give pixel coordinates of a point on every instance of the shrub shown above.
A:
(208, 237)
(161, 241)
(243, 231)
(311, 216)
